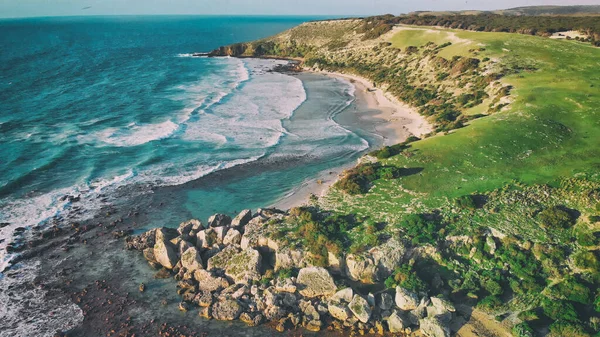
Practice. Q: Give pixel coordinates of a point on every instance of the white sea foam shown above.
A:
(136, 134)
(28, 312)
(191, 55)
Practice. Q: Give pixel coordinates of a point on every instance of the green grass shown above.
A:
(550, 131)
(418, 37)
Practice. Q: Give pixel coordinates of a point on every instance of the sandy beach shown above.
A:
(397, 122)
(400, 117)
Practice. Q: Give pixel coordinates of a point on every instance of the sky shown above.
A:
(32, 8)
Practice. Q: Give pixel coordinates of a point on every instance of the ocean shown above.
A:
(106, 115)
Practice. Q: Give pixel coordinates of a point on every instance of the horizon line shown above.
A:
(337, 16)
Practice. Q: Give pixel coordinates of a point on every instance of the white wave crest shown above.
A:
(135, 134)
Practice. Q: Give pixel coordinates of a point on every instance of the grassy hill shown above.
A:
(502, 202)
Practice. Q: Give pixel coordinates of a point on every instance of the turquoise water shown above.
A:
(117, 109)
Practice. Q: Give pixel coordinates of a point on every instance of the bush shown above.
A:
(556, 217)
(465, 202)
(529, 315)
(420, 228)
(522, 330)
(586, 238)
(357, 180)
(586, 260)
(493, 287)
(570, 289)
(564, 328)
(489, 303)
(559, 310)
(406, 278)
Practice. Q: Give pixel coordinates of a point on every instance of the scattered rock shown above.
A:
(385, 302)
(226, 310)
(233, 237)
(339, 310)
(396, 323)
(164, 252)
(432, 327)
(360, 308)
(191, 259)
(442, 304)
(219, 220)
(241, 219)
(142, 287)
(314, 282)
(406, 299)
(344, 295)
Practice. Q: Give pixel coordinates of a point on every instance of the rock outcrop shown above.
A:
(219, 268)
(315, 281)
(165, 253)
(406, 299)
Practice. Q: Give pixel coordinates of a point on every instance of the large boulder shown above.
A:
(186, 227)
(244, 266)
(226, 310)
(165, 253)
(344, 295)
(338, 304)
(219, 220)
(396, 323)
(191, 259)
(442, 304)
(406, 299)
(165, 234)
(206, 238)
(339, 310)
(360, 308)
(233, 237)
(220, 259)
(241, 219)
(208, 282)
(361, 268)
(314, 282)
(385, 301)
(387, 257)
(239, 265)
(433, 327)
(286, 258)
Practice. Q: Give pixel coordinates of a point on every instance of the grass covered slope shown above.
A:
(550, 131)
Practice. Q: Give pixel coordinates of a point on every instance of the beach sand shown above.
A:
(396, 121)
(400, 117)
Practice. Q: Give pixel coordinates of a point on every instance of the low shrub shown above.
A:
(559, 310)
(556, 217)
(465, 202)
(406, 278)
(489, 303)
(357, 180)
(420, 228)
(522, 330)
(565, 328)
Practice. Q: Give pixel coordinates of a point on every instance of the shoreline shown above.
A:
(398, 122)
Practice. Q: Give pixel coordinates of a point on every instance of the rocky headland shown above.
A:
(241, 269)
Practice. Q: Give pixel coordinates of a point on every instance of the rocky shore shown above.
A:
(237, 269)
